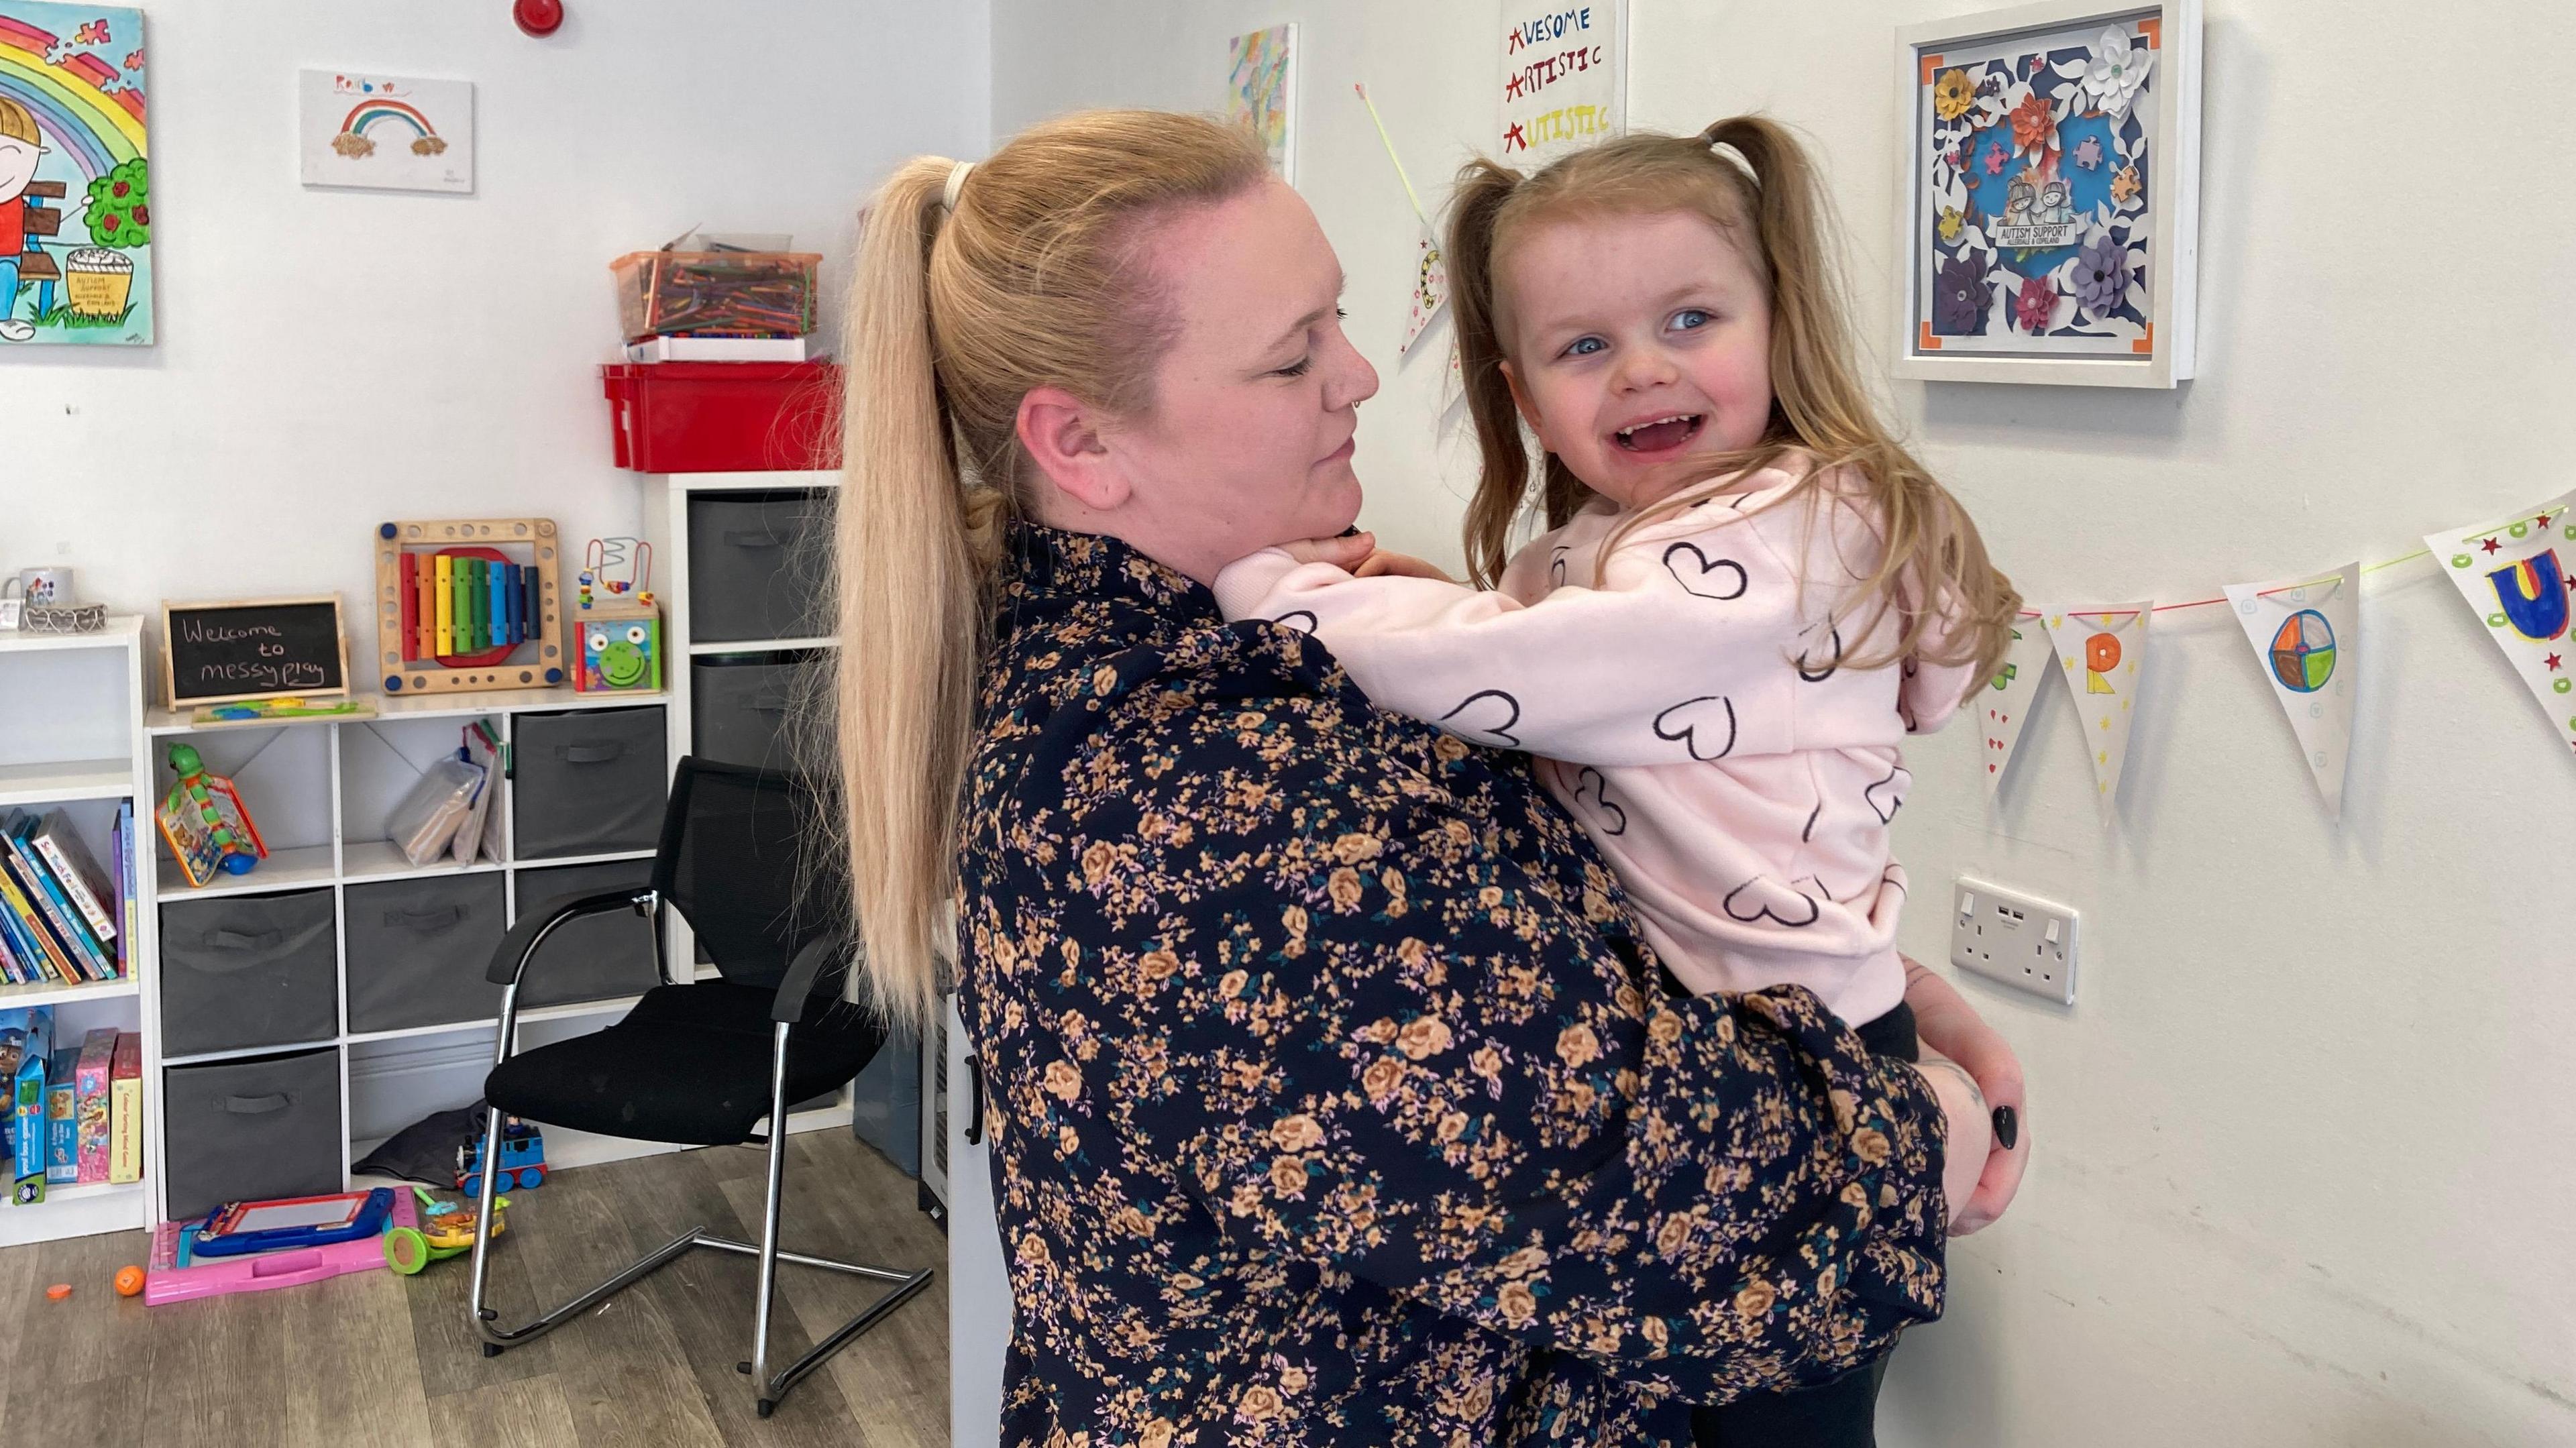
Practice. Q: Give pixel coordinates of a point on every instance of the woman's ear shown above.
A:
(1062, 436)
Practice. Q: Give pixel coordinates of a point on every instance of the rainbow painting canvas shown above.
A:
(1261, 92)
(75, 184)
(384, 132)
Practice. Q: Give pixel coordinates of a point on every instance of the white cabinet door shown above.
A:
(979, 1293)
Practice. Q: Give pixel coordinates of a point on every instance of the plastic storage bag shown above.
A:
(437, 807)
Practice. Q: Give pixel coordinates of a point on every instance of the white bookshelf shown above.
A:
(83, 750)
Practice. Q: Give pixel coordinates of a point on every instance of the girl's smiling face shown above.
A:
(1638, 345)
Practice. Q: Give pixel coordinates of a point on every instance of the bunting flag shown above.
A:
(2518, 575)
(2101, 650)
(2009, 696)
(1430, 288)
(2306, 632)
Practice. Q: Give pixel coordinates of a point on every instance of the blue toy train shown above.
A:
(523, 1160)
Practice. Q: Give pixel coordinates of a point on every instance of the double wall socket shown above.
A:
(2021, 940)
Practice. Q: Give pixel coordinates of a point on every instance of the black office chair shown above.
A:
(701, 1063)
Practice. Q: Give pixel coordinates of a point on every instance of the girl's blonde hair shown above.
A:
(1037, 278)
(1933, 566)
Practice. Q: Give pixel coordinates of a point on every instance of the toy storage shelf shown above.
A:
(83, 752)
(741, 562)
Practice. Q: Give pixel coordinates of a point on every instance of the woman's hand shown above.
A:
(1948, 1025)
(1967, 1140)
(1403, 565)
(1348, 552)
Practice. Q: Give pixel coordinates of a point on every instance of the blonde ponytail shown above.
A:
(1030, 275)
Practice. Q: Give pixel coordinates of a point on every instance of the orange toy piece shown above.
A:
(58, 1292)
(129, 1281)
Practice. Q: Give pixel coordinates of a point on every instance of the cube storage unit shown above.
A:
(74, 742)
(751, 633)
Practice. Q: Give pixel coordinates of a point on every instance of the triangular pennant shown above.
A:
(2005, 703)
(2101, 651)
(1430, 287)
(2306, 632)
(2519, 575)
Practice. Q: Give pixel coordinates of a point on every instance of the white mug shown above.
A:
(13, 603)
(47, 587)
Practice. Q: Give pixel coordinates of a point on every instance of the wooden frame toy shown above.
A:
(469, 603)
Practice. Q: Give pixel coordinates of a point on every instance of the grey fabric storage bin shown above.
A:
(740, 705)
(587, 782)
(418, 950)
(757, 564)
(243, 1131)
(597, 958)
(244, 971)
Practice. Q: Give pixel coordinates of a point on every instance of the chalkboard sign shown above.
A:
(216, 653)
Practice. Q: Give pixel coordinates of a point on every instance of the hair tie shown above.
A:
(956, 183)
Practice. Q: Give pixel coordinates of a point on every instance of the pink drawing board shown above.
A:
(167, 1282)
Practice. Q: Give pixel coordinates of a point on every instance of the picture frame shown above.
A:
(2047, 195)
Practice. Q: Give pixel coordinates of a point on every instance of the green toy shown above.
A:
(446, 1229)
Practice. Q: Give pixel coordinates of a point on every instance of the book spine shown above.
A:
(27, 1110)
(125, 1110)
(23, 911)
(74, 871)
(39, 886)
(130, 859)
(97, 1058)
(62, 1119)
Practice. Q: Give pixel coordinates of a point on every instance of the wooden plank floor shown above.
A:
(375, 1359)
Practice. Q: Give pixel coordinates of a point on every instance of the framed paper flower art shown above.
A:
(2048, 180)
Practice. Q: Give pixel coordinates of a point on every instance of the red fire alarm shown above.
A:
(539, 18)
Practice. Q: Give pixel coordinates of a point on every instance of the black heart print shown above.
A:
(1807, 669)
(1501, 709)
(1756, 898)
(1301, 620)
(1702, 576)
(1593, 792)
(1556, 568)
(1705, 726)
(1888, 795)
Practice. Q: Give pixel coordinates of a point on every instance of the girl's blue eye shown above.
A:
(1585, 347)
(1689, 317)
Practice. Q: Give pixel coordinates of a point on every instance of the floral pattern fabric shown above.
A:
(1331, 1094)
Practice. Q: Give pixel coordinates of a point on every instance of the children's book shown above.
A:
(76, 870)
(39, 939)
(62, 1119)
(14, 1026)
(125, 1110)
(89, 1103)
(128, 851)
(33, 1028)
(11, 967)
(37, 881)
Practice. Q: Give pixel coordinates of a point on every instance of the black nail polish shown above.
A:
(2007, 1127)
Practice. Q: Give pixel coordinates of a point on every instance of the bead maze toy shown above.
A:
(469, 603)
(208, 828)
(617, 632)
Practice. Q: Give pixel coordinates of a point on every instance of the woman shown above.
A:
(1332, 1097)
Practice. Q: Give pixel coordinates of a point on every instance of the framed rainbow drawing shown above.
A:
(75, 176)
(2047, 208)
(385, 133)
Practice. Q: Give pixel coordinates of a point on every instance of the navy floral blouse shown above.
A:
(1332, 1096)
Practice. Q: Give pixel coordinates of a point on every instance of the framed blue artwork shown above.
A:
(2048, 177)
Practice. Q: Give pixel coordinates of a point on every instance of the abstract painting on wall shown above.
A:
(1261, 92)
(75, 176)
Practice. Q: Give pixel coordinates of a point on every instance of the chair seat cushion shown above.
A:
(690, 1064)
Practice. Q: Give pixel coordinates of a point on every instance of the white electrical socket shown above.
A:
(2021, 940)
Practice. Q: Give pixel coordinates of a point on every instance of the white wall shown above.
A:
(332, 359)
(2299, 1178)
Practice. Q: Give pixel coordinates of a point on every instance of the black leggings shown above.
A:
(1842, 1413)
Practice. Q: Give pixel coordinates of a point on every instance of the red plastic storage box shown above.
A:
(724, 417)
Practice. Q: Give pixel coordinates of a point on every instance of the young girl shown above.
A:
(1750, 594)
